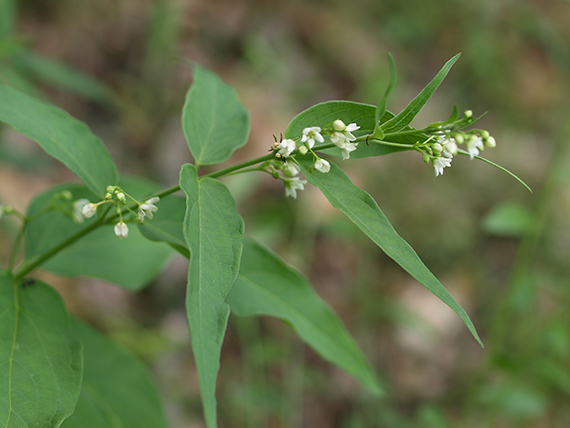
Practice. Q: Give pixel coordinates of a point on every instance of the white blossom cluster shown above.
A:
(83, 209)
(340, 135)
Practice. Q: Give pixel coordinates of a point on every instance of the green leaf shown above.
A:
(363, 115)
(215, 123)
(214, 233)
(267, 286)
(381, 108)
(117, 389)
(406, 116)
(365, 213)
(61, 136)
(41, 361)
(63, 76)
(166, 225)
(131, 263)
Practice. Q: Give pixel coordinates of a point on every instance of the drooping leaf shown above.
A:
(214, 121)
(131, 263)
(324, 114)
(61, 136)
(267, 286)
(41, 362)
(117, 389)
(214, 233)
(365, 213)
(405, 117)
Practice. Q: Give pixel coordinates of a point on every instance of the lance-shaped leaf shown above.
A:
(405, 117)
(61, 136)
(41, 362)
(267, 286)
(131, 263)
(214, 121)
(117, 389)
(364, 115)
(365, 213)
(214, 233)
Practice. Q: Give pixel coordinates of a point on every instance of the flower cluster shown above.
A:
(442, 146)
(83, 209)
(340, 135)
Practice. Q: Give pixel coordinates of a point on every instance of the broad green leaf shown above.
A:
(365, 213)
(63, 76)
(117, 389)
(405, 117)
(267, 286)
(363, 115)
(41, 362)
(215, 123)
(131, 263)
(61, 136)
(214, 233)
(166, 224)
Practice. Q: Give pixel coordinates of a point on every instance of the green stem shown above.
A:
(17, 245)
(29, 265)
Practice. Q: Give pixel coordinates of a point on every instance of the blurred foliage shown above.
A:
(501, 251)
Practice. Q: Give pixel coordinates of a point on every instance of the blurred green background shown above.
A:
(123, 66)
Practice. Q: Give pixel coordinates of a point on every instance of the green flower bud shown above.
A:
(490, 142)
(426, 158)
(303, 149)
(66, 195)
(484, 134)
(437, 149)
(459, 139)
(468, 114)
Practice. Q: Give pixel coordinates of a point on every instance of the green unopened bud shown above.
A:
(121, 197)
(108, 196)
(303, 149)
(110, 189)
(490, 142)
(66, 195)
(485, 134)
(459, 139)
(117, 210)
(437, 149)
(426, 158)
(468, 114)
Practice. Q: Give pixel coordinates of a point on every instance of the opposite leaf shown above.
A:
(61, 136)
(214, 121)
(213, 230)
(267, 286)
(117, 389)
(365, 213)
(41, 362)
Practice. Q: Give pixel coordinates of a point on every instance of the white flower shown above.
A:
(290, 169)
(473, 145)
(322, 165)
(148, 208)
(449, 148)
(292, 185)
(121, 230)
(286, 147)
(346, 148)
(439, 164)
(310, 135)
(77, 214)
(88, 210)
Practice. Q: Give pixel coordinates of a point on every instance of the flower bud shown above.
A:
(66, 195)
(425, 158)
(437, 149)
(110, 189)
(485, 134)
(290, 169)
(338, 125)
(121, 197)
(490, 142)
(303, 149)
(108, 196)
(89, 210)
(468, 114)
(459, 138)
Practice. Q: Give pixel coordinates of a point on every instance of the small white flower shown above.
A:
(473, 145)
(290, 169)
(292, 185)
(77, 214)
(310, 135)
(148, 208)
(449, 148)
(345, 147)
(121, 230)
(439, 164)
(322, 165)
(89, 210)
(345, 130)
(286, 147)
